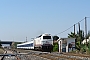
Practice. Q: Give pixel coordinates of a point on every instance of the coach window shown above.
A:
(32, 44)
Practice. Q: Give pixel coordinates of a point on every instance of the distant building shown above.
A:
(66, 44)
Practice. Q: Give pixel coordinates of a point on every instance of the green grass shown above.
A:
(55, 47)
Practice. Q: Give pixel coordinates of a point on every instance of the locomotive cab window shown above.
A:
(46, 37)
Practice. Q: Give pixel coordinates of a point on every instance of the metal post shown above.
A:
(86, 29)
(26, 39)
(74, 30)
(60, 46)
(75, 36)
(79, 31)
(79, 28)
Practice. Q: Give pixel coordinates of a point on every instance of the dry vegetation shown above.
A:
(1, 50)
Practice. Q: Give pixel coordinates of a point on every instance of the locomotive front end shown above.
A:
(47, 42)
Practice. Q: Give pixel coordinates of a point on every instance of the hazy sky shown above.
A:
(21, 18)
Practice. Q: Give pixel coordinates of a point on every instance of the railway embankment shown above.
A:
(2, 51)
(73, 55)
(37, 55)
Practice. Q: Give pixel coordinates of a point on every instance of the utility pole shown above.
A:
(75, 36)
(74, 30)
(79, 28)
(86, 29)
(26, 39)
(79, 32)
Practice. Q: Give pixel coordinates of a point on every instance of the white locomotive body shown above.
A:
(43, 42)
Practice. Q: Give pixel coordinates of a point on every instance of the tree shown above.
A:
(55, 44)
(55, 38)
(71, 35)
(79, 34)
(55, 47)
(79, 37)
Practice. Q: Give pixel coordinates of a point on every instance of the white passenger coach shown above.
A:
(27, 45)
(43, 42)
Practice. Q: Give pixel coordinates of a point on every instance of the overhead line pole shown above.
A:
(86, 29)
(75, 36)
(79, 28)
(26, 39)
(74, 30)
(79, 31)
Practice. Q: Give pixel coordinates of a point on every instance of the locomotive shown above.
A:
(43, 42)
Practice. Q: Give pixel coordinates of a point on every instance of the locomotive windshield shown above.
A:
(46, 37)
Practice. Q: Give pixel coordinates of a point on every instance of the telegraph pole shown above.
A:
(86, 29)
(74, 30)
(79, 28)
(75, 36)
(26, 39)
(79, 31)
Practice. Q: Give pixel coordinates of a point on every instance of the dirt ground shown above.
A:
(1, 51)
(78, 54)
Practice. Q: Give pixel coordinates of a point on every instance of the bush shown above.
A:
(55, 47)
(85, 48)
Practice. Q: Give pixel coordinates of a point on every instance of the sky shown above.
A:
(29, 18)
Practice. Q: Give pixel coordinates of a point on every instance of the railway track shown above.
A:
(10, 58)
(8, 55)
(31, 55)
(49, 56)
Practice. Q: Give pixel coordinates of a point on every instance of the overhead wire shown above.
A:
(70, 27)
(64, 30)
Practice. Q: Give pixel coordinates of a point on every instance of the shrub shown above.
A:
(55, 47)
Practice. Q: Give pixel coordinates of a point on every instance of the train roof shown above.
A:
(26, 43)
(45, 34)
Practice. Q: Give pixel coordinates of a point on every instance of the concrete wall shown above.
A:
(64, 42)
(72, 41)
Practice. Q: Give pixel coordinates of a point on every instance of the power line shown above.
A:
(80, 21)
(70, 27)
(65, 30)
